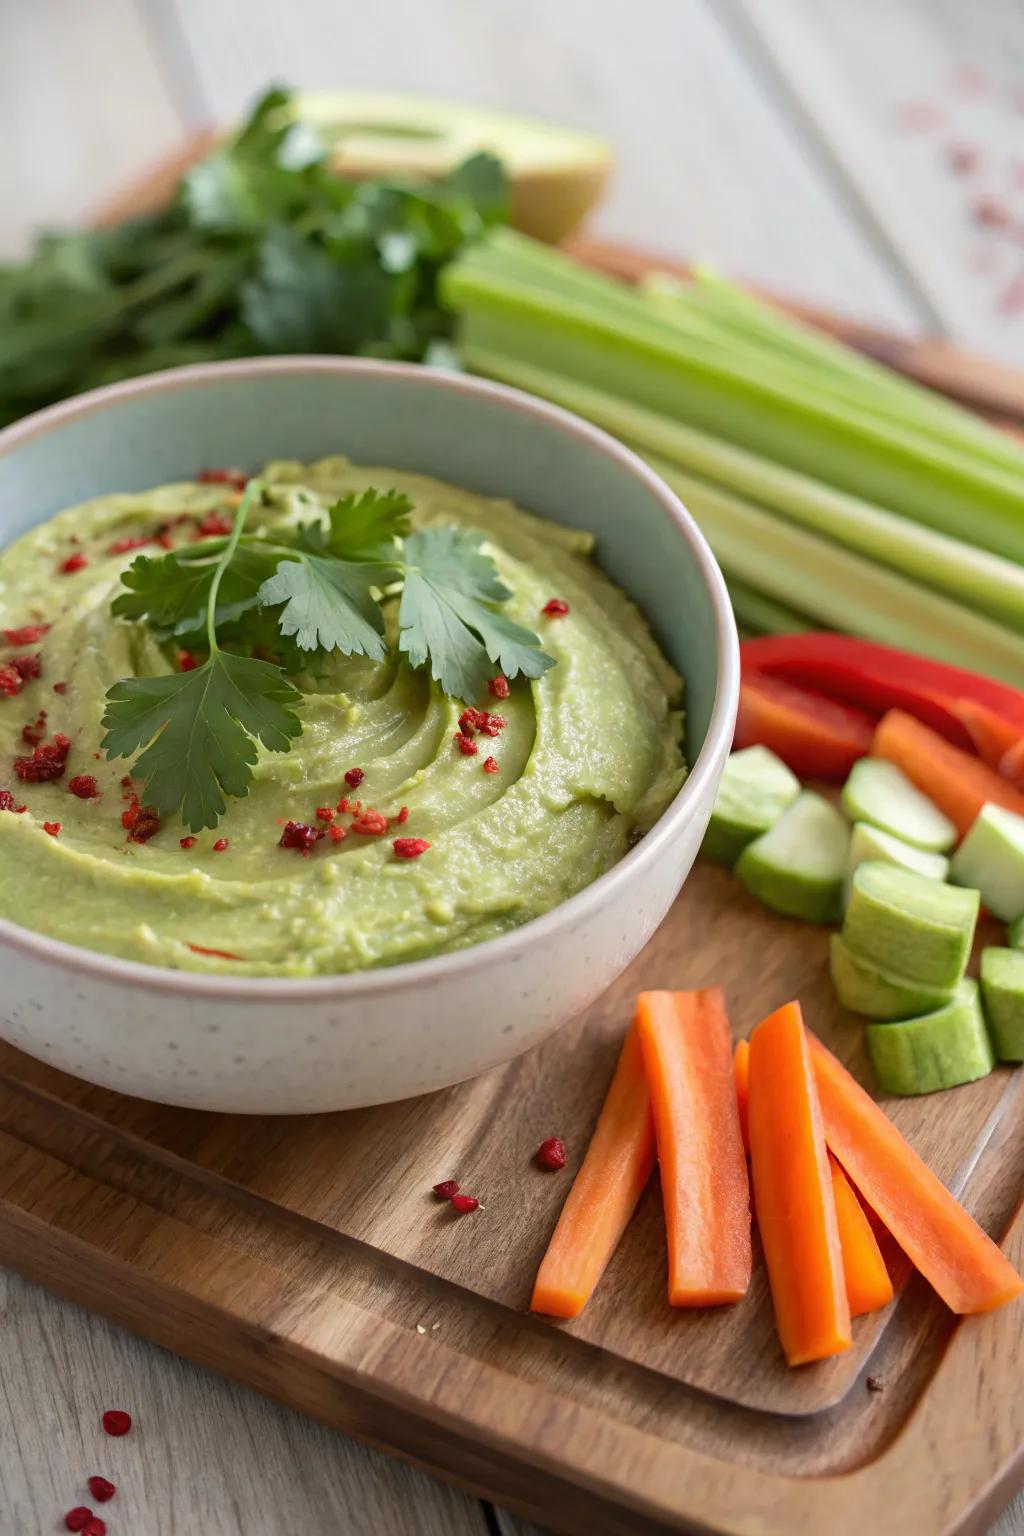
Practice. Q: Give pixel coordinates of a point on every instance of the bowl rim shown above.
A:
(354, 984)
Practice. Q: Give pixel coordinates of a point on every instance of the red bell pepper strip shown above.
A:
(817, 737)
(959, 705)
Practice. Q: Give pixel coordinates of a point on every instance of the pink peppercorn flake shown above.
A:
(6, 800)
(551, 1154)
(213, 526)
(409, 847)
(337, 834)
(60, 688)
(302, 838)
(145, 825)
(491, 765)
(498, 687)
(116, 1421)
(354, 777)
(470, 719)
(325, 813)
(555, 608)
(187, 842)
(446, 1189)
(11, 681)
(95, 1527)
(47, 762)
(992, 212)
(83, 786)
(28, 667)
(28, 634)
(78, 1518)
(490, 725)
(370, 823)
(237, 479)
(403, 816)
(128, 546)
(186, 661)
(101, 1488)
(464, 1204)
(73, 563)
(467, 747)
(221, 845)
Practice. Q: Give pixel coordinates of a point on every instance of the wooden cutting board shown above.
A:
(308, 1258)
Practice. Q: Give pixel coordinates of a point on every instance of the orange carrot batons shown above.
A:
(688, 1058)
(958, 783)
(796, 1211)
(935, 1232)
(604, 1194)
(741, 1072)
(868, 1283)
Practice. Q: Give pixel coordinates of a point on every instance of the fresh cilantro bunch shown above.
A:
(296, 596)
(263, 249)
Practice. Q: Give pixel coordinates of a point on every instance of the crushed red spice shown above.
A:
(236, 478)
(490, 725)
(301, 837)
(33, 731)
(213, 526)
(101, 1488)
(463, 1204)
(11, 680)
(186, 661)
(95, 1527)
(325, 813)
(164, 536)
(555, 608)
(446, 1189)
(6, 800)
(551, 1154)
(218, 954)
(498, 686)
(370, 823)
(60, 688)
(127, 546)
(28, 634)
(221, 845)
(47, 762)
(73, 563)
(337, 834)
(964, 158)
(116, 1421)
(28, 667)
(187, 842)
(52, 827)
(78, 1518)
(84, 786)
(491, 765)
(993, 212)
(403, 816)
(354, 777)
(466, 746)
(409, 847)
(146, 825)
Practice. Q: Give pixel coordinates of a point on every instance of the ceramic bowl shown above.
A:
(335, 1042)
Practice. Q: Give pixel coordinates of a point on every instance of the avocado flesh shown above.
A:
(556, 174)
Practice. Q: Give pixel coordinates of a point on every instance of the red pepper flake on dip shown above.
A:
(259, 732)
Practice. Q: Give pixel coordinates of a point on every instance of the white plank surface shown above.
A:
(763, 133)
(204, 1457)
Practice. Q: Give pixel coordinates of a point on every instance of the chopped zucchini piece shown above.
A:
(880, 793)
(797, 867)
(938, 1050)
(1002, 987)
(756, 788)
(867, 842)
(991, 859)
(907, 925)
(864, 989)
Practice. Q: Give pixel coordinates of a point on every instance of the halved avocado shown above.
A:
(556, 174)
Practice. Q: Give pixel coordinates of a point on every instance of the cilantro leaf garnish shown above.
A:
(329, 604)
(171, 592)
(200, 728)
(361, 526)
(447, 614)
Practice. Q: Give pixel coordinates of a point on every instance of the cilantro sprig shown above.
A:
(300, 594)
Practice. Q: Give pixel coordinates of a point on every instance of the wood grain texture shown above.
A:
(312, 1262)
(83, 105)
(204, 1455)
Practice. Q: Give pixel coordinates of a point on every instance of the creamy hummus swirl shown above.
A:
(589, 757)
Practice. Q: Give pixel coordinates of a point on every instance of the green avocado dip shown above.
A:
(586, 757)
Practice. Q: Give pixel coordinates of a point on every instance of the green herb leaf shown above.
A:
(171, 592)
(329, 604)
(447, 615)
(362, 526)
(200, 730)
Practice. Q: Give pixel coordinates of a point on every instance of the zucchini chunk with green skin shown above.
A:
(880, 793)
(877, 995)
(907, 925)
(991, 859)
(756, 788)
(867, 842)
(1002, 988)
(937, 1050)
(797, 867)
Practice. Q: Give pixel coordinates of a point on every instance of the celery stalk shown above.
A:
(763, 615)
(982, 581)
(939, 485)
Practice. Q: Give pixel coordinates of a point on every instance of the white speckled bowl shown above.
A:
(286, 1047)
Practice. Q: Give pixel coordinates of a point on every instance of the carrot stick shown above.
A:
(741, 1073)
(604, 1193)
(796, 1210)
(688, 1058)
(958, 783)
(933, 1229)
(868, 1285)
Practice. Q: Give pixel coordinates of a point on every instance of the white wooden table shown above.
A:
(811, 144)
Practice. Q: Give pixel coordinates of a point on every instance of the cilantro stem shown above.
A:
(252, 490)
